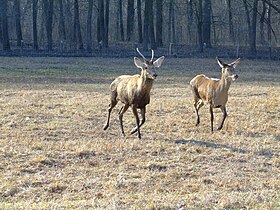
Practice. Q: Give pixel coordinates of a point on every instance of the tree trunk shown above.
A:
(262, 19)
(34, 24)
(206, 23)
(199, 24)
(100, 23)
(77, 27)
(139, 20)
(152, 26)
(62, 31)
(130, 19)
(1, 33)
(146, 38)
(230, 21)
(5, 30)
(18, 24)
(253, 30)
(89, 26)
(106, 27)
(190, 21)
(252, 25)
(48, 7)
(159, 41)
(171, 33)
(121, 19)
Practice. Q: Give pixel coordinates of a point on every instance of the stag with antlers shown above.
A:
(134, 91)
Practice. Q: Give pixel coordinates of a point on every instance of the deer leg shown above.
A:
(121, 112)
(134, 109)
(212, 117)
(223, 108)
(143, 112)
(111, 106)
(197, 105)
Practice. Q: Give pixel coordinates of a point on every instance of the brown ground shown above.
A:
(55, 155)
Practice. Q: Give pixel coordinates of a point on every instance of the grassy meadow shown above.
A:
(54, 153)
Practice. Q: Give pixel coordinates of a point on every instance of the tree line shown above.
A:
(95, 24)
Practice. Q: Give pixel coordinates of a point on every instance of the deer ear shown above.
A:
(221, 64)
(138, 63)
(157, 63)
(235, 63)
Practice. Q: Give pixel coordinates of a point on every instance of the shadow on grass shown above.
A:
(264, 152)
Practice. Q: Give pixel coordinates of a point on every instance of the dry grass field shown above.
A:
(55, 155)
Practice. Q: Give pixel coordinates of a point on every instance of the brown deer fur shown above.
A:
(134, 91)
(213, 91)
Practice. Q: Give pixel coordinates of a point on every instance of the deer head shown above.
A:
(228, 70)
(148, 67)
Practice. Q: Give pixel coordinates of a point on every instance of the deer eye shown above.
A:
(146, 67)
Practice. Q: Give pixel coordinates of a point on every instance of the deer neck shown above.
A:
(224, 83)
(144, 84)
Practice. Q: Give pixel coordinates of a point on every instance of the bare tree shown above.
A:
(190, 20)
(130, 19)
(206, 23)
(77, 26)
(171, 22)
(62, 30)
(18, 21)
(106, 24)
(89, 25)
(5, 30)
(34, 24)
(159, 6)
(139, 21)
(120, 19)
(100, 22)
(230, 21)
(252, 24)
(198, 12)
(48, 8)
(149, 33)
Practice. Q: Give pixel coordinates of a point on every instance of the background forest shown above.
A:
(89, 26)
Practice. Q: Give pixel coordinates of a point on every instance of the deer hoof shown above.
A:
(105, 127)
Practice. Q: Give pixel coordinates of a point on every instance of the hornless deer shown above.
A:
(134, 91)
(213, 91)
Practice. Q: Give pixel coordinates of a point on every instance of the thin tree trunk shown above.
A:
(152, 26)
(77, 27)
(5, 31)
(100, 22)
(34, 25)
(121, 19)
(48, 7)
(130, 19)
(106, 27)
(190, 20)
(206, 23)
(89, 25)
(262, 19)
(18, 24)
(230, 21)
(139, 20)
(62, 30)
(159, 6)
(146, 38)
(253, 33)
(1, 32)
(170, 21)
(199, 24)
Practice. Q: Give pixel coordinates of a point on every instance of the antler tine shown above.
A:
(140, 53)
(152, 55)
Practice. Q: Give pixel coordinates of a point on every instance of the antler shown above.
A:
(152, 56)
(141, 54)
